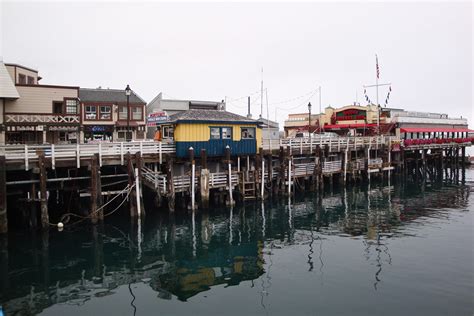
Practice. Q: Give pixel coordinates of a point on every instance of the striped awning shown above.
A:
(434, 129)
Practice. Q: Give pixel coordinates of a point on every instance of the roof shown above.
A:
(211, 116)
(7, 87)
(107, 95)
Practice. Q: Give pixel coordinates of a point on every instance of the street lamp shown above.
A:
(128, 92)
(309, 121)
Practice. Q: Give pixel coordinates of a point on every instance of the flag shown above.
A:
(377, 66)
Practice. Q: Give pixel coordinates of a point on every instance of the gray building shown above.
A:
(270, 129)
(172, 106)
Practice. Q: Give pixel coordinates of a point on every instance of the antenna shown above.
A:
(261, 96)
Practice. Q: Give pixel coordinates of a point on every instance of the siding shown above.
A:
(198, 136)
(37, 99)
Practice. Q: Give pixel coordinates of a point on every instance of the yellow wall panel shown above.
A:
(186, 132)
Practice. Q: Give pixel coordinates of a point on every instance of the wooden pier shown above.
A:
(104, 171)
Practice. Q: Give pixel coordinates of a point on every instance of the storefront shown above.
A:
(62, 134)
(24, 134)
(98, 133)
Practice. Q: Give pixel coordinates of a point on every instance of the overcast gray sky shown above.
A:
(210, 51)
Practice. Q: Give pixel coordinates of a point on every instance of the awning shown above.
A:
(341, 126)
(433, 129)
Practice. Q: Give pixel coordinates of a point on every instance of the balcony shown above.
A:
(19, 118)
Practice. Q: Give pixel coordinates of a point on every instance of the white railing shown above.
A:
(29, 153)
(308, 145)
(220, 179)
(41, 118)
(332, 166)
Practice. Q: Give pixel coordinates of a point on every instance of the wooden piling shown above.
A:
(193, 177)
(204, 180)
(169, 176)
(43, 191)
(131, 180)
(95, 202)
(3, 196)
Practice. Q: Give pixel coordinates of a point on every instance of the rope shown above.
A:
(67, 216)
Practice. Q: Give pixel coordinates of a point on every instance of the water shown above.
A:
(363, 251)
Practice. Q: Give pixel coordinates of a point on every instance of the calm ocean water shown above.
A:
(391, 250)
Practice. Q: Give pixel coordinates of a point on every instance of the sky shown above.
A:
(216, 51)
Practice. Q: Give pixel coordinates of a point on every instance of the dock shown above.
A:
(281, 167)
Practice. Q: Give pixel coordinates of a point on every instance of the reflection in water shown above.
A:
(181, 255)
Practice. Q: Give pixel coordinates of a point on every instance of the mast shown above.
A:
(261, 96)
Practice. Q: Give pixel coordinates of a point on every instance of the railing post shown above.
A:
(160, 152)
(141, 148)
(291, 150)
(53, 157)
(121, 153)
(78, 156)
(100, 154)
(26, 158)
(301, 146)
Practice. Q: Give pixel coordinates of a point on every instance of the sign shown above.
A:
(156, 117)
(351, 115)
(62, 128)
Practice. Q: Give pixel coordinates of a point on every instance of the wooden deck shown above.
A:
(26, 156)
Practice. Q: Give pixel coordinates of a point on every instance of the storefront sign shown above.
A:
(98, 128)
(351, 115)
(62, 128)
(156, 117)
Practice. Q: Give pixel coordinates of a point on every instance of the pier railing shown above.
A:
(308, 145)
(27, 154)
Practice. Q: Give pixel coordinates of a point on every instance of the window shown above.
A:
(226, 132)
(168, 132)
(91, 112)
(105, 112)
(31, 80)
(221, 132)
(57, 107)
(71, 106)
(123, 113)
(215, 133)
(248, 133)
(21, 79)
(137, 113)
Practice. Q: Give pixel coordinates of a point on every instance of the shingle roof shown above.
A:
(7, 87)
(209, 116)
(107, 95)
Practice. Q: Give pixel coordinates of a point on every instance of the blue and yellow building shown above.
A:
(212, 130)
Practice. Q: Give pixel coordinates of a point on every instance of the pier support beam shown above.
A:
(169, 177)
(96, 191)
(204, 180)
(3, 196)
(43, 191)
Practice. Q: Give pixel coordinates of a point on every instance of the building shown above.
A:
(33, 113)
(270, 129)
(104, 115)
(298, 123)
(212, 130)
(170, 106)
(356, 120)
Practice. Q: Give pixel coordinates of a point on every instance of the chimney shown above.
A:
(249, 115)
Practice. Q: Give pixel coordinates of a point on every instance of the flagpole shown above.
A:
(377, 91)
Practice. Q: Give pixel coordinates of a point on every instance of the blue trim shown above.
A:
(216, 147)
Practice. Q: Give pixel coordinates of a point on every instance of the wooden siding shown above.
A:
(186, 132)
(37, 99)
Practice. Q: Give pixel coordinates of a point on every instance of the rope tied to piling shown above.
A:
(65, 218)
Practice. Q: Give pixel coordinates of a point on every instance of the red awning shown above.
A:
(341, 126)
(433, 129)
